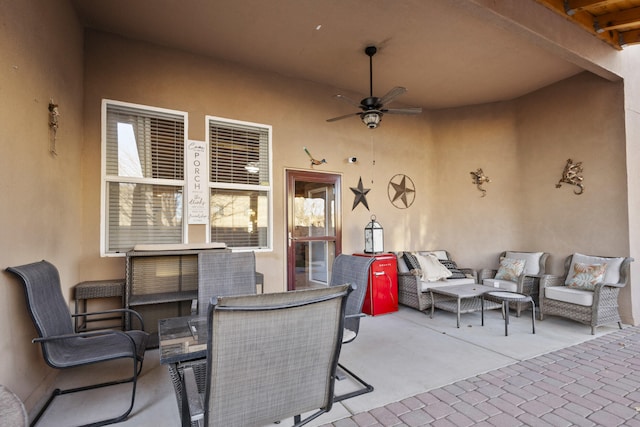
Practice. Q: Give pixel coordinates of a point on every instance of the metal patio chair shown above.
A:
(62, 347)
(224, 274)
(269, 357)
(353, 270)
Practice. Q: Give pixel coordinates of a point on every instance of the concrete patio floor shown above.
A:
(427, 371)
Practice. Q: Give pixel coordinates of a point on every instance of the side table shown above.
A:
(84, 291)
(506, 298)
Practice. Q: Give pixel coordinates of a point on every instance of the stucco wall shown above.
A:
(140, 73)
(523, 146)
(41, 45)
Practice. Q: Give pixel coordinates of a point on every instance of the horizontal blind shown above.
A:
(143, 213)
(144, 160)
(151, 142)
(233, 147)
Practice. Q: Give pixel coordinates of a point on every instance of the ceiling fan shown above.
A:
(373, 108)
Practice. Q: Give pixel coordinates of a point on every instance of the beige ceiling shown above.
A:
(445, 52)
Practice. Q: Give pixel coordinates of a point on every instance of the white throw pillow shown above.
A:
(532, 260)
(432, 270)
(440, 254)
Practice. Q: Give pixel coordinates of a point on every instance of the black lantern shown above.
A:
(373, 237)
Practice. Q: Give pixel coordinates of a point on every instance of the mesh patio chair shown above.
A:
(269, 357)
(219, 274)
(353, 270)
(584, 296)
(224, 274)
(62, 347)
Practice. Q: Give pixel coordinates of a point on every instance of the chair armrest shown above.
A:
(86, 335)
(405, 274)
(550, 280)
(611, 285)
(486, 273)
(471, 272)
(115, 310)
(348, 316)
(192, 396)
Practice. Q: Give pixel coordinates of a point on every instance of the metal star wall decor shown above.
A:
(361, 195)
(402, 191)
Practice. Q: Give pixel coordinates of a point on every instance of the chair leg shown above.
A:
(119, 418)
(367, 388)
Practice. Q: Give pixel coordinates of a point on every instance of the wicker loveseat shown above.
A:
(412, 290)
(583, 294)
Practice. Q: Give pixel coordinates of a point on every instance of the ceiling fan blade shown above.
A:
(343, 117)
(410, 110)
(396, 91)
(348, 101)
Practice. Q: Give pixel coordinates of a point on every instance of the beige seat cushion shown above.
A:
(570, 295)
(424, 286)
(505, 285)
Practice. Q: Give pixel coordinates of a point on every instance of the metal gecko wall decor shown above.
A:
(479, 178)
(572, 175)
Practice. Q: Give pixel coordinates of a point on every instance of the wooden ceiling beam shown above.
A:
(584, 18)
(573, 6)
(629, 37)
(629, 18)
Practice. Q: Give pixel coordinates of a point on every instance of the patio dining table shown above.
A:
(182, 339)
(183, 343)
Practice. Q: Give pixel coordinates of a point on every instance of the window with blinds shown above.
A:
(143, 149)
(240, 183)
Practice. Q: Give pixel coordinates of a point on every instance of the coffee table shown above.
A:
(462, 299)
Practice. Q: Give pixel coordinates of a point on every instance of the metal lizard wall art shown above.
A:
(479, 178)
(572, 175)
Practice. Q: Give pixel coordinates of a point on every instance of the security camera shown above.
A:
(352, 159)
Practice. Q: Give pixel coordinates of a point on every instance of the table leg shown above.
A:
(505, 304)
(482, 309)
(533, 316)
(433, 303)
(458, 312)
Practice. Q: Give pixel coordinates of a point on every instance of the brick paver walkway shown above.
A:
(596, 383)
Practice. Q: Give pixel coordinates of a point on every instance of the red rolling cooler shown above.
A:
(382, 288)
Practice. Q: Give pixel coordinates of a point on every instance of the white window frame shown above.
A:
(262, 188)
(105, 179)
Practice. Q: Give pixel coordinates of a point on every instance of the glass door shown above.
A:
(313, 228)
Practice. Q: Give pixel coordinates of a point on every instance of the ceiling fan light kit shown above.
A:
(371, 119)
(373, 108)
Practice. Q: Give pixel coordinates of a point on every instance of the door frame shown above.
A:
(292, 176)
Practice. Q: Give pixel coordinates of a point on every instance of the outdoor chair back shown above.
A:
(353, 270)
(270, 357)
(61, 346)
(224, 274)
